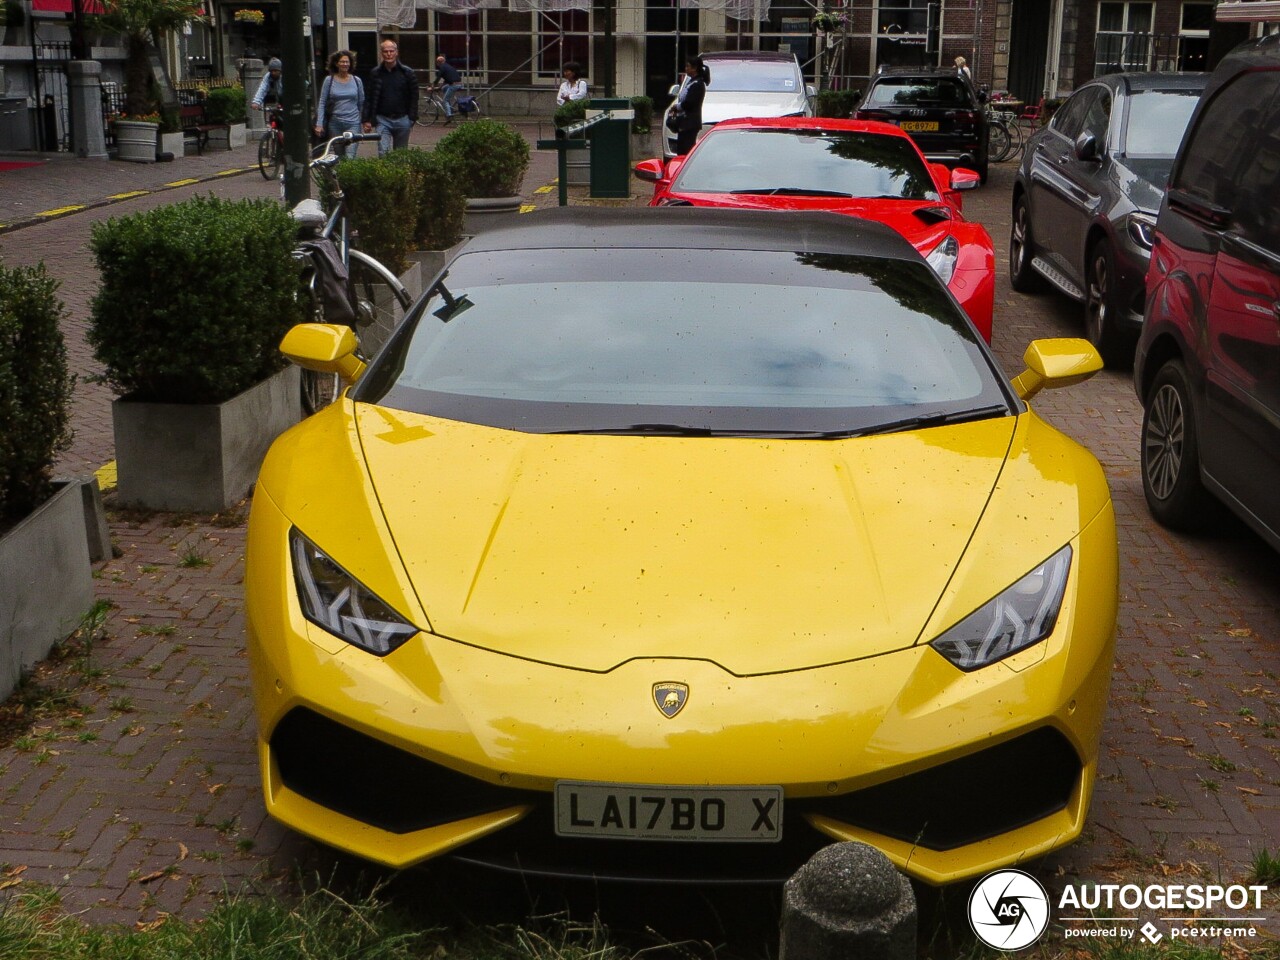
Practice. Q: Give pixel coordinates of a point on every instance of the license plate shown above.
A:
(919, 126)
(646, 812)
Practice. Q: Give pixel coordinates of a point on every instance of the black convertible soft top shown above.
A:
(695, 227)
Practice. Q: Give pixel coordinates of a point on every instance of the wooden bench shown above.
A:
(195, 127)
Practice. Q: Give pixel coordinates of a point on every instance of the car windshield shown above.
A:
(806, 163)
(1157, 120)
(918, 92)
(753, 76)
(688, 341)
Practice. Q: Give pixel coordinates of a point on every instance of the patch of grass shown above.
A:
(1211, 785)
(164, 630)
(122, 705)
(195, 557)
(1266, 868)
(1220, 763)
(1163, 802)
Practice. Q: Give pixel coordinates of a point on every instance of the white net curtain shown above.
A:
(403, 13)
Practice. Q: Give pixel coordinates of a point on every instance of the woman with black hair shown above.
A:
(689, 104)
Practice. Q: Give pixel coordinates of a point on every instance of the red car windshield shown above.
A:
(800, 162)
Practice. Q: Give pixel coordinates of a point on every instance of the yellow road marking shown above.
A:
(128, 194)
(547, 189)
(182, 183)
(527, 208)
(60, 210)
(106, 475)
(227, 173)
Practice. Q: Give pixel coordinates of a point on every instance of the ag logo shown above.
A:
(1008, 910)
(670, 698)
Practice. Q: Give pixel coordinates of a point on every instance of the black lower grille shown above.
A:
(976, 797)
(367, 780)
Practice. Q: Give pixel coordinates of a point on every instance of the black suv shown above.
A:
(940, 108)
(1208, 363)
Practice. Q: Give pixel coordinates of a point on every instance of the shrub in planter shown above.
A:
(491, 158)
(569, 113)
(381, 199)
(225, 105)
(194, 299)
(35, 388)
(642, 122)
(835, 103)
(439, 202)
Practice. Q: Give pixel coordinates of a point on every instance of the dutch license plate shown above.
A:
(919, 126)
(646, 812)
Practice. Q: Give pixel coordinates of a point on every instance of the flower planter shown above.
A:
(200, 457)
(46, 582)
(136, 140)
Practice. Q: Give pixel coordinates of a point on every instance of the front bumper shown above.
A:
(441, 747)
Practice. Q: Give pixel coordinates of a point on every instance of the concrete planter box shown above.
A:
(228, 138)
(136, 140)
(172, 143)
(46, 582)
(200, 457)
(644, 146)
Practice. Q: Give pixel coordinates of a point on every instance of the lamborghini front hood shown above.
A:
(759, 555)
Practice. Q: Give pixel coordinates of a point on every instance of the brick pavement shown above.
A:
(160, 809)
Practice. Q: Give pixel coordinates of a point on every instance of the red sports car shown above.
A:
(858, 167)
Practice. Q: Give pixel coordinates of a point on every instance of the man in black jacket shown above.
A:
(392, 100)
(449, 81)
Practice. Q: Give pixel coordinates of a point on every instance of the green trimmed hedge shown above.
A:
(491, 157)
(439, 202)
(194, 298)
(642, 122)
(381, 200)
(35, 388)
(569, 113)
(225, 105)
(836, 103)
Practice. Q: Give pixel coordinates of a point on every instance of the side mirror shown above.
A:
(674, 91)
(964, 179)
(809, 91)
(1086, 148)
(1056, 363)
(324, 348)
(650, 170)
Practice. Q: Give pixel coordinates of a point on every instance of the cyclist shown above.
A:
(271, 89)
(392, 99)
(449, 81)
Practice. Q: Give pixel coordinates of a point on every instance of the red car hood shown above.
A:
(923, 233)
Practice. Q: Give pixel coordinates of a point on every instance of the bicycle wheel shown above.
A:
(999, 143)
(429, 111)
(269, 156)
(380, 299)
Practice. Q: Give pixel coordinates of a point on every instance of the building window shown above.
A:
(1123, 40)
(1193, 36)
(904, 31)
(560, 37)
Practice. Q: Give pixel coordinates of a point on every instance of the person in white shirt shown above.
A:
(963, 67)
(572, 87)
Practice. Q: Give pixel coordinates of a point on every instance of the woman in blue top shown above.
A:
(341, 100)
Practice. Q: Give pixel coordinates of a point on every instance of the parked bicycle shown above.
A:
(341, 284)
(271, 146)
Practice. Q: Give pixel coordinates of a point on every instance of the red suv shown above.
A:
(1208, 363)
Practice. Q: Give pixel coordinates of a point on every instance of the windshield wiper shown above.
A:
(686, 430)
(792, 192)
(937, 419)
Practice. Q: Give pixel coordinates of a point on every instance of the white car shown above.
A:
(746, 84)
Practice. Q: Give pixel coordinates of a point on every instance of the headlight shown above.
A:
(943, 258)
(1142, 229)
(335, 601)
(1022, 615)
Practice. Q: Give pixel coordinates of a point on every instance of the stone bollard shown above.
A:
(848, 902)
(88, 139)
(253, 71)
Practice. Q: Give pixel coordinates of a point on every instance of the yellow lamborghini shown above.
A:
(674, 544)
